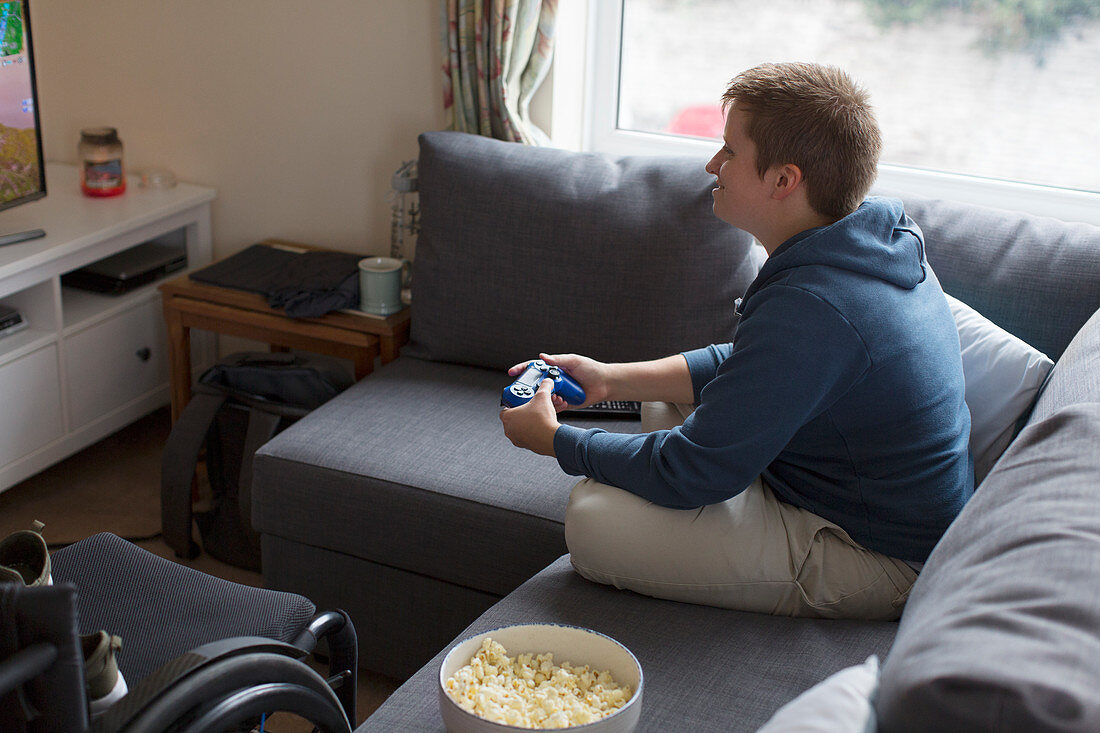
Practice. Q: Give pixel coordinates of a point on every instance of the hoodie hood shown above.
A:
(877, 240)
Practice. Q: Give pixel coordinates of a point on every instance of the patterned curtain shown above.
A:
(495, 55)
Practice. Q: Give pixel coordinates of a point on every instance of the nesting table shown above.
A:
(346, 334)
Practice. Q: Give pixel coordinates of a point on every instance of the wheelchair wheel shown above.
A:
(232, 694)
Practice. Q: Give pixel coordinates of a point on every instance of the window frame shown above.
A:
(601, 134)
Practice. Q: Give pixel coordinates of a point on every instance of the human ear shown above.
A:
(787, 179)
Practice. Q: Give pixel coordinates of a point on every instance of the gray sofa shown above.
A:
(402, 502)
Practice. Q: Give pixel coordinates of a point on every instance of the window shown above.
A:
(992, 101)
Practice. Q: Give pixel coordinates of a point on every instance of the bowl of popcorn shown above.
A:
(540, 676)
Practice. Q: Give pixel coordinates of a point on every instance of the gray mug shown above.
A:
(380, 285)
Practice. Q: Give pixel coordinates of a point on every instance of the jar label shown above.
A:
(107, 174)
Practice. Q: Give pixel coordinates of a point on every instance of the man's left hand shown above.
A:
(532, 426)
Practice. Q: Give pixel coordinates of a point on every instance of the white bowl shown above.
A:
(568, 644)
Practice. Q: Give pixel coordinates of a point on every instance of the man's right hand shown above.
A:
(592, 375)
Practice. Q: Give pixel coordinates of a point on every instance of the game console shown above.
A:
(132, 268)
(523, 389)
(11, 320)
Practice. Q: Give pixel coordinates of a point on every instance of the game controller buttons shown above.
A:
(524, 388)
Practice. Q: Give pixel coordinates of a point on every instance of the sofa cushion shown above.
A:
(641, 266)
(840, 704)
(1000, 629)
(705, 668)
(1076, 376)
(1036, 277)
(410, 468)
(1003, 376)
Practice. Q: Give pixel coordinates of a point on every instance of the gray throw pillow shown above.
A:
(1000, 631)
(526, 249)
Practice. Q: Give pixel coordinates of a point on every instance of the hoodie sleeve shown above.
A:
(794, 355)
(703, 365)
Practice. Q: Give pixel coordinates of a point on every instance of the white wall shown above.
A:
(296, 111)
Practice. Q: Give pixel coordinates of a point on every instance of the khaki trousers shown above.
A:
(750, 553)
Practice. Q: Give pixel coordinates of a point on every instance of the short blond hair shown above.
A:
(814, 117)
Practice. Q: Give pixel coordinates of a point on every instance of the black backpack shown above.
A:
(238, 405)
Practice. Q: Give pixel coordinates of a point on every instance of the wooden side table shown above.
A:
(359, 337)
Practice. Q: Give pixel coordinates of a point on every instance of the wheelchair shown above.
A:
(199, 653)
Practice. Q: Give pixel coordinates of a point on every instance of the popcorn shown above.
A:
(530, 691)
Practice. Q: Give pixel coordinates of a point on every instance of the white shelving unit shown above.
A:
(87, 364)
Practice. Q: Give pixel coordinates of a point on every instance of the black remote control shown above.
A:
(627, 409)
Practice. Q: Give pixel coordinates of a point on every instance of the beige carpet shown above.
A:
(114, 486)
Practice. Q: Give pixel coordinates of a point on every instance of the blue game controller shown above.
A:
(523, 389)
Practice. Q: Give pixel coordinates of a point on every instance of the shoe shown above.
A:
(24, 557)
(105, 683)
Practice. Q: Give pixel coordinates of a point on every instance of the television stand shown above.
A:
(18, 237)
(87, 364)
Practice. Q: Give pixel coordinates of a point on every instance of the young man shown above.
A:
(827, 451)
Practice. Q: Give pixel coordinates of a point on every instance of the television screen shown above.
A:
(22, 176)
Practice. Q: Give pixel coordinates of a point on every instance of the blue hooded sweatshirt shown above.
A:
(843, 389)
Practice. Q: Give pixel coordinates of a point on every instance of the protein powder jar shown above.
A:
(101, 172)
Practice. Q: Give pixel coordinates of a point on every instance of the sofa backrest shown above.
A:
(1036, 277)
(525, 249)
